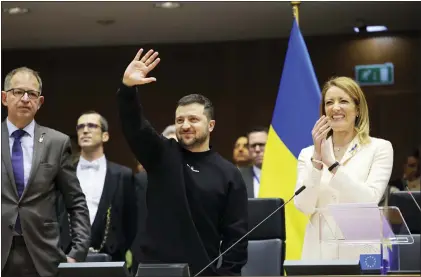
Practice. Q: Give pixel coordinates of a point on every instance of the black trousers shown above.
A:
(19, 263)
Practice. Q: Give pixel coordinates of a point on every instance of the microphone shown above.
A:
(413, 198)
(260, 223)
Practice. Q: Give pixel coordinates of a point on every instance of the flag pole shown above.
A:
(295, 10)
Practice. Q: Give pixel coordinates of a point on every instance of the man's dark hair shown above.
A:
(258, 129)
(102, 120)
(199, 99)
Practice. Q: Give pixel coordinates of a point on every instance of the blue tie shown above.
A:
(17, 164)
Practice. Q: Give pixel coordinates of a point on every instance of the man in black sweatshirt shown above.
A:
(196, 200)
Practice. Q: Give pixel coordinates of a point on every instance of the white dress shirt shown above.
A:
(91, 177)
(256, 180)
(27, 143)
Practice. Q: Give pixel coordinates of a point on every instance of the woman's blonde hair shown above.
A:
(350, 87)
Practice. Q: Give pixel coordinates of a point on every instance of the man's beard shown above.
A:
(196, 141)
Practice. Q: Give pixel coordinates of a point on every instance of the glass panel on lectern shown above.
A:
(347, 231)
(343, 235)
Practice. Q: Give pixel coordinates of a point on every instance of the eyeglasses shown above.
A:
(18, 92)
(89, 125)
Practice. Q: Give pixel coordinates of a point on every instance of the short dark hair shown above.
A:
(258, 129)
(199, 99)
(102, 120)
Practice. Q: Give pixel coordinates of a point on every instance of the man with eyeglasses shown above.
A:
(36, 170)
(257, 139)
(110, 190)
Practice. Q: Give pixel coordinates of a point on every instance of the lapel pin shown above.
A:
(353, 149)
(41, 139)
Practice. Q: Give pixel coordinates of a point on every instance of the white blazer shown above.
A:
(362, 178)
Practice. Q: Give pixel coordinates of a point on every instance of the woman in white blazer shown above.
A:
(345, 165)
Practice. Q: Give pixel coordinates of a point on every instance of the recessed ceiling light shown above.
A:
(16, 10)
(168, 5)
(376, 28)
(370, 29)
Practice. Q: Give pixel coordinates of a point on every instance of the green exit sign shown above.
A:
(374, 74)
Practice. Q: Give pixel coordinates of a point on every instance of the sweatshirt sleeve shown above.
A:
(145, 143)
(308, 176)
(235, 226)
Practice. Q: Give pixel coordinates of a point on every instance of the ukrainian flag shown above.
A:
(296, 111)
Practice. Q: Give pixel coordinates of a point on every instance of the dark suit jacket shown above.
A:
(247, 173)
(118, 197)
(52, 173)
(141, 180)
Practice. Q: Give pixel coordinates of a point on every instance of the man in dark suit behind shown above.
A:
(257, 139)
(109, 188)
(36, 167)
(141, 182)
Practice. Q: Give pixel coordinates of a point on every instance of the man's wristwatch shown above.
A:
(332, 167)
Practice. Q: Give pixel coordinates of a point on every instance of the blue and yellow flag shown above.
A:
(296, 112)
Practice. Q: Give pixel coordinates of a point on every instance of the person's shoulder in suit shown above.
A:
(118, 167)
(244, 169)
(128, 184)
(56, 137)
(382, 150)
(53, 133)
(246, 173)
(141, 176)
(306, 153)
(380, 142)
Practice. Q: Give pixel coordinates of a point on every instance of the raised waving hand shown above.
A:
(137, 71)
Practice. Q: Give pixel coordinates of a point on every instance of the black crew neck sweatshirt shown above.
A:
(196, 201)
